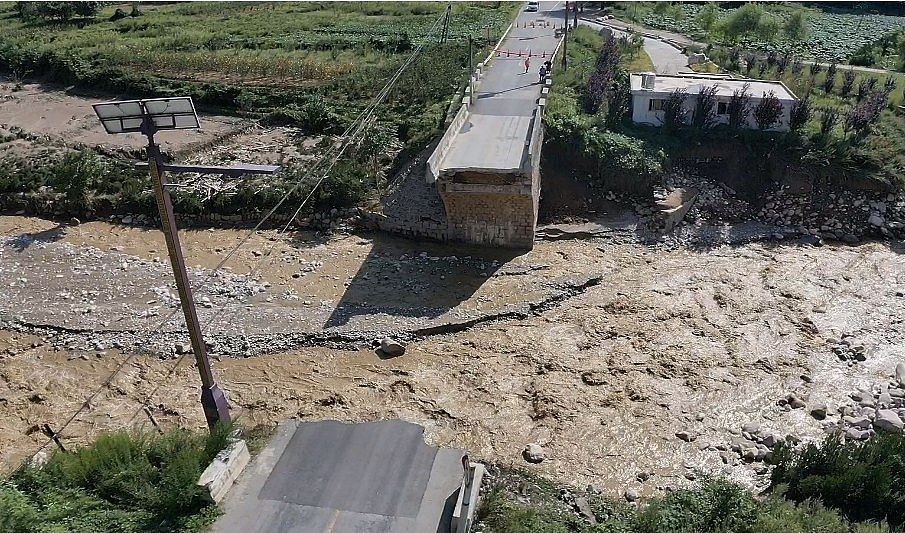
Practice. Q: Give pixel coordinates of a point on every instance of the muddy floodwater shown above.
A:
(599, 351)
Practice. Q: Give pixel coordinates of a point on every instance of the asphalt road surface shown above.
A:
(332, 477)
(494, 137)
(665, 57)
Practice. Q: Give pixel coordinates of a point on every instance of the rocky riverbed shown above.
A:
(633, 367)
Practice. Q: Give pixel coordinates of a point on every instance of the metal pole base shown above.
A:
(216, 408)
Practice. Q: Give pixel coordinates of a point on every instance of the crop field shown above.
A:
(833, 37)
(302, 41)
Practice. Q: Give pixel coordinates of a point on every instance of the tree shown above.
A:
(750, 62)
(619, 101)
(739, 107)
(600, 82)
(742, 22)
(797, 67)
(796, 26)
(767, 28)
(674, 112)
(708, 16)
(848, 81)
(829, 117)
(800, 113)
(63, 11)
(734, 56)
(830, 81)
(705, 108)
(889, 85)
(782, 64)
(768, 111)
(865, 87)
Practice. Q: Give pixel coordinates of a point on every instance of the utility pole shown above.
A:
(470, 70)
(148, 117)
(213, 401)
(575, 12)
(565, 37)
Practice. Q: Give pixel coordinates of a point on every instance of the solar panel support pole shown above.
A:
(213, 401)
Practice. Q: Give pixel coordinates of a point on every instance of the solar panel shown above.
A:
(165, 113)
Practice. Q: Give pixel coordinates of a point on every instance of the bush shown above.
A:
(122, 482)
(800, 113)
(76, 173)
(314, 116)
(714, 506)
(863, 480)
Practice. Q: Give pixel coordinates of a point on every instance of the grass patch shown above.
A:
(639, 63)
(122, 482)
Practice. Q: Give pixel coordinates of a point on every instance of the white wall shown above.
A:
(641, 114)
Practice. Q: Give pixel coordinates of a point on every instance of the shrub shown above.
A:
(864, 114)
(75, 173)
(313, 116)
(848, 81)
(768, 111)
(614, 153)
(800, 113)
(705, 108)
(863, 480)
(829, 117)
(122, 482)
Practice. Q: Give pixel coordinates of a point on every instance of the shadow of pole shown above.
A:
(411, 279)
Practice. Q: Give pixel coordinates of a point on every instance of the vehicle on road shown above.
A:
(532, 6)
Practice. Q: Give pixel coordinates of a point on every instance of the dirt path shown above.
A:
(601, 374)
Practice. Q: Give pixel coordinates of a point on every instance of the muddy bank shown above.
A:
(667, 341)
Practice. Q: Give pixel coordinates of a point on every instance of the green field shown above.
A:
(311, 65)
(832, 35)
(254, 56)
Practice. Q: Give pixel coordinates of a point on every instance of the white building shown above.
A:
(650, 91)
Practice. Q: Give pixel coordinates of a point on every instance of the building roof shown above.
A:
(692, 83)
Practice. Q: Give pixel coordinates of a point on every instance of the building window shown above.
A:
(655, 104)
(722, 108)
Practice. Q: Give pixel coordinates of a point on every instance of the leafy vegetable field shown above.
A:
(833, 37)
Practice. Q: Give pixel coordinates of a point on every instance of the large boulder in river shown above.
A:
(390, 347)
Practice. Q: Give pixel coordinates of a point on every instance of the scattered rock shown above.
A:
(183, 348)
(900, 374)
(795, 402)
(630, 495)
(390, 347)
(643, 476)
(37, 398)
(856, 434)
(819, 411)
(593, 378)
(534, 454)
(888, 420)
(687, 436)
(584, 509)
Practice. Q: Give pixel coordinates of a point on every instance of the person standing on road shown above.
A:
(527, 64)
(549, 67)
(543, 73)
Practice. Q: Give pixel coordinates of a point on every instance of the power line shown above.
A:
(362, 122)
